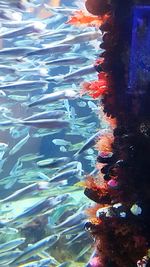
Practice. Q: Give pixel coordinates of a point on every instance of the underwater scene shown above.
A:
(48, 129)
(74, 133)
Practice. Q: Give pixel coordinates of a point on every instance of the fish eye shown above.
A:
(88, 226)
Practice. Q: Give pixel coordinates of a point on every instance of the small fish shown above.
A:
(61, 142)
(36, 248)
(64, 10)
(68, 166)
(19, 98)
(65, 264)
(83, 251)
(67, 61)
(79, 236)
(16, 24)
(8, 257)
(24, 85)
(64, 175)
(2, 93)
(54, 114)
(62, 149)
(48, 123)
(30, 157)
(49, 98)
(51, 49)
(3, 148)
(11, 244)
(81, 72)
(6, 69)
(40, 71)
(75, 74)
(15, 52)
(18, 131)
(90, 142)
(74, 229)
(19, 145)
(75, 147)
(82, 37)
(40, 206)
(72, 220)
(35, 27)
(59, 211)
(25, 191)
(8, 15)
(92, 106)
(41, 263)
(81, 104)
(52, 163)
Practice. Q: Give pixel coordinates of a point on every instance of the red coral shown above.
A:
(80, 18)
(104, 144)
(92, 184)
(97, 88)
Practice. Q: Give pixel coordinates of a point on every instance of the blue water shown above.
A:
(20, 167)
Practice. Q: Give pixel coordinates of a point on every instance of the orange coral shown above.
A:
(101, 188)
(104, 144)
(111, 121)
(80, 18)
(97, 88)
(92, 210)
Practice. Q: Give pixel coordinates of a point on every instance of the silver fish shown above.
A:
(49, 98)
(16, 24)
(46, 50)
(8, 257)
(36, 248)
(52, 163)
(92, 106)
(15, 52)
(83, 251)
(61, 142)
(83, 37)
(64, 175)
(65, 264)
(25, 191)
(47, 262)
(3, 148)
(80, 236)
(36, 27)
(90, 142)
(51, 114)
(68, 166)
(81, 72)
(8, 15)
(11, 244)
(24, 85)
(72, 220)
(67, 61)
(40, 206)
(59, 9)
(48, 123)
(19, 145)
(73, 75)
(7, 69)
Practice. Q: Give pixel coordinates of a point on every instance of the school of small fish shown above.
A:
(47, 134)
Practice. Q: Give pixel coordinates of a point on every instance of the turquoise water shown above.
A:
(42, 205)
